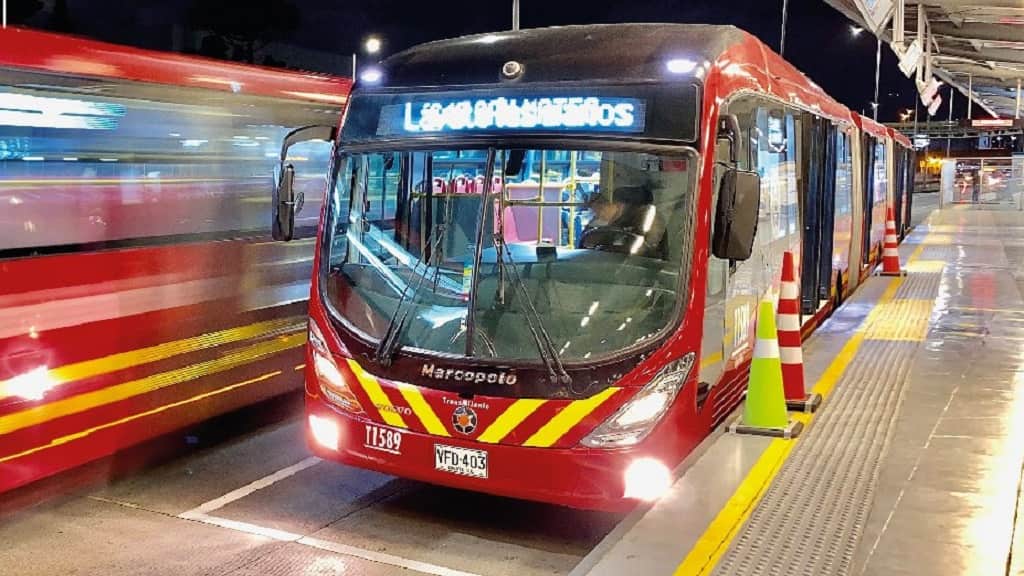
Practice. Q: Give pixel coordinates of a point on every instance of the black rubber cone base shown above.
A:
(902, 272)
(808, 404)
(792, 430)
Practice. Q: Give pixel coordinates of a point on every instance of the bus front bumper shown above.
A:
(579, 477)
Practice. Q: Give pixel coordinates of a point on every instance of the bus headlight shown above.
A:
(325, 431)
(331, 380)
(647, 479)
(636, 418)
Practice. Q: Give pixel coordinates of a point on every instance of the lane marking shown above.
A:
(82, 434)
(120, 361)
(507, 421)
(202, 514)
(89, 400)
(718, 536)
(383, 558)
(567, 418)
(239, 493)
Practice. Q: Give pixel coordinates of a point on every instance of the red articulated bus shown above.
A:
(541, 252)
(138, 291)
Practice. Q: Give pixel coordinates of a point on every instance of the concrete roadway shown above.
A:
(257, 503)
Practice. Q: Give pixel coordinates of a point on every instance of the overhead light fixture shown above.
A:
(371, 75)
(855, 30)
(680, 65)
(372, 45)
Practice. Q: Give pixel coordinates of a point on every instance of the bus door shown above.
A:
(867, 157)
(817, 213)
(898, 184)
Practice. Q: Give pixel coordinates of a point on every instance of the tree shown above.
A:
(245, 26)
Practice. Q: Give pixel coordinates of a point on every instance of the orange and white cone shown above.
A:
(891, 247)
(791, 342)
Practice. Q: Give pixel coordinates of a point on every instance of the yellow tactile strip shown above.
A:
(903, 319)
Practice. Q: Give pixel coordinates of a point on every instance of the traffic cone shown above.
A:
(890, 247)
(765, 413)
(790, 341)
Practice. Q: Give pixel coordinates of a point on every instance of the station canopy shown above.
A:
(975, 45)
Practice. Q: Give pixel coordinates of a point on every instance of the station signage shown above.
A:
(571, 113)
(992, 123)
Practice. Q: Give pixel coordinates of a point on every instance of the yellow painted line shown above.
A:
(422, 410)
(83, 433)
(926, 266)
(89, 400)
(122, 360)
(508, 420)
(710, 360)
(715, 540)
(569, 416)
(300, 367)
(377, 396)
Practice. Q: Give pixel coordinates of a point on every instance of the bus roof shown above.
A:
(619, 53)
(69, 55)
(900, 138)
(614, 52)
(870, 126)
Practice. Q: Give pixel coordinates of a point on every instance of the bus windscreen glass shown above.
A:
(585, 247)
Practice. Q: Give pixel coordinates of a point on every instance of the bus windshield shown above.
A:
(509, 254)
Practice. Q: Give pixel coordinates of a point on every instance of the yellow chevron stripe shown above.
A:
(508, 420)
(96, 398)
(83, 433)
(122, 360)
(422, 410)
(569, 416)
(377, 395)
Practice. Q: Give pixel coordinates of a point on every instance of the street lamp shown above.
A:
(372, 45)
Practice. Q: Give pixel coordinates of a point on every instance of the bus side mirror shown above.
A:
(286, 200)
(739, 202)
(285, 205)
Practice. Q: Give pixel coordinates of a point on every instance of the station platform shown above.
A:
(912, 465)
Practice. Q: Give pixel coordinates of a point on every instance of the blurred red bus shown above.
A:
(138, 293)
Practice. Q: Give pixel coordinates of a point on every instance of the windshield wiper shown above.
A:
(392, 335)
(545, 347)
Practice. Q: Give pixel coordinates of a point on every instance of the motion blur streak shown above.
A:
(135, 273)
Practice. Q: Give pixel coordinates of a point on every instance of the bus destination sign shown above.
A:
(533, 114)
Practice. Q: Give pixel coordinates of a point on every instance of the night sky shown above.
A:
(818, 39)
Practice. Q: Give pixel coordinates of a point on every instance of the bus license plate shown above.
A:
(462, 461)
